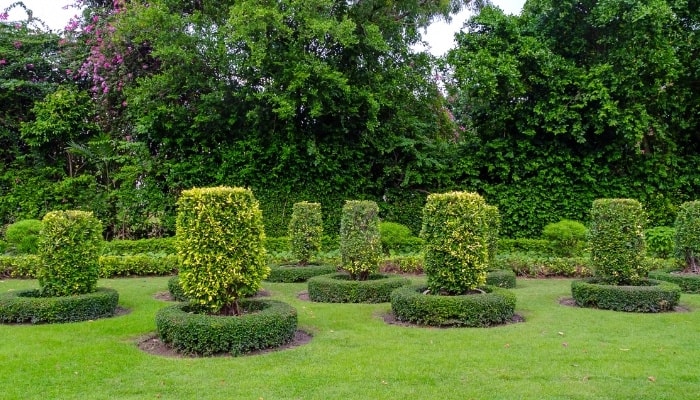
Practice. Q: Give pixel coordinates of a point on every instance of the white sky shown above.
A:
(440, 35)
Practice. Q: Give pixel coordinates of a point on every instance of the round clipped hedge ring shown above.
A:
(264, 324)
(493, 307)
(27, 306)
(298, 273)
(503, 278)
(650, 296)
(688, 282)
(339, 288)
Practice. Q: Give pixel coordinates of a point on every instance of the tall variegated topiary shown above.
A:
(305, 231)
(617, 241)
(457, 231)
(360, 240)
(70, 243)
(220, 245)
(688, 234)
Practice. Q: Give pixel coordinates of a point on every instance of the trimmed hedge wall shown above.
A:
(340, 288)
(265, 324)
(27, 306)
(689, 283)
(494, 307)
(652, 296)
(522, 245)
(152, 245)
(298, 273)
(138, 264)
(503, 278)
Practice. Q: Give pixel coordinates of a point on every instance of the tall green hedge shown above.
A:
(688, 233)
(457, 234)
(360, 239)
(494, 224)
(69, 249)
(617, 241)
(220, 245)
(305, 231)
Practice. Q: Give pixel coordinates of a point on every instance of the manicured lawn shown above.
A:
(559, 352)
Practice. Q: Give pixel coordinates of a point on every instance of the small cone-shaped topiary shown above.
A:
(360, 240)
(458, 236)
(305, 231)
(688, 234)
(617, 241)
(70, 243)
(220, 244)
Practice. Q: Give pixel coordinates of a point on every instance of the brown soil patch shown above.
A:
(152, 344)
(390, 319)
(119, 311)
(569, 302)
(304, 296)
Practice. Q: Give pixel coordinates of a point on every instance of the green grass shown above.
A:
(559, 352)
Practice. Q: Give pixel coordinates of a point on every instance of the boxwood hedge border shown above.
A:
(265, 324)
(339, 288)
(650, 297)
(688, 282)
(292, 273)
(495, 306)
(27, 306)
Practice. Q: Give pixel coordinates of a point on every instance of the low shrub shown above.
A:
(543, 267)
(298, 273)
(398, 239)
(264, 324)
(649, 297)
(540, 247)
(688, 282)
(138, 264)
(405, 264)
(567, 238)
(276, 244)
(502, 278)
(152, 245)
(175, 289)
(21, 267)
(660, 241)
(495, 306)
(305, 231)
(28, 306)
(340, 288)
(23, 236)
(360, 242)
(687, 239)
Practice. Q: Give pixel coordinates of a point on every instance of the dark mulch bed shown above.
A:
(569, 302)
(152, 344)
(303, 296)
(390, 319)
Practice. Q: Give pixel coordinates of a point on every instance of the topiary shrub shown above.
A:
(495, 306)
(360, 241)
(456, 233)
(69, 248)
(646, 296)
(617, 241)
(688, 234)
(305, 231)
(220, 245)
(295, 273)
(398, 239)
(688, 282)
(23, 237)
(138, 264)
(263, 324)
(175, 289)
(567, 238)
(30, 306)
(341, 288)
(660, 241)
(502, 278)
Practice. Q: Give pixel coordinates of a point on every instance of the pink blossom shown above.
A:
(3, 61)
(4, 16)
(17, 44)
(30, 66)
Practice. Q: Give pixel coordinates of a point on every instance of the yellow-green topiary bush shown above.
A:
(220, 237)
(360, 239)
(305, 231)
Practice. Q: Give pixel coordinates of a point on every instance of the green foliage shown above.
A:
(494, 224)
(539, 247)
(530, 266)
(688, 233)
(360, 241)
(397, 239)
(660, 241)
(276, 244)
(31, 306)
(495, 306)
(567, 237)
(22, 236)
(403, 263)
(341, 288)
(164, 245)
(503, 278)
(456, 233)
(617, 241)
(298, 273)
(646, 296)
(264, 324)
(220, 244)
(688, 282)
(69, 247)
(175, 289)
(138, 264)
(305, 231)
(23, 267)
